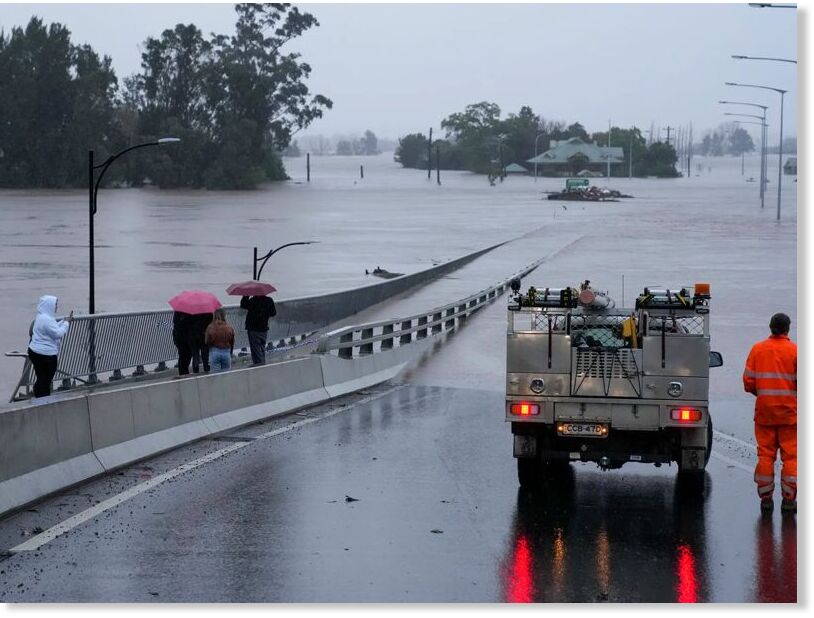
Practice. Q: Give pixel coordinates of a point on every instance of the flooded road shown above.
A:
(151, 243)
(408, 492)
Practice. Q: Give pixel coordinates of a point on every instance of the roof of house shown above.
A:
(564, 150)
(515, 168)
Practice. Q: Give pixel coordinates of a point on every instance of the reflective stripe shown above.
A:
(772, 376)
(765, 479)
(765, 489)
(788, 479)
(776, 391)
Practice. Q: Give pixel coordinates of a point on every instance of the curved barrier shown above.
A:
(110, 343)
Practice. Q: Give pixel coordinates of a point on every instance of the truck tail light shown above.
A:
(685, 414)
(525, 409)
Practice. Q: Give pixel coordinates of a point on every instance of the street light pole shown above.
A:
(536, 140)
(780, 148)
(256, 273)
(763, 151)
(93, 190)
(762, 147)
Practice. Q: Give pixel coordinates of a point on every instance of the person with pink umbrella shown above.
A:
(259, 308)
(188, 305)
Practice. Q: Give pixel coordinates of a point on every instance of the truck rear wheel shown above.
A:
(709, 440)
(529, 472)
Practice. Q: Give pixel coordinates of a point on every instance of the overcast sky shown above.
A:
(397, 69)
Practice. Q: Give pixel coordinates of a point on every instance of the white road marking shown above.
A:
(726, 436)
(61, 528)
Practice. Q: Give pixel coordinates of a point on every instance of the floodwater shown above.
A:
(150, 244)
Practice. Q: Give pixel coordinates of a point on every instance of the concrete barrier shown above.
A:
(43, 448)
(57, 442)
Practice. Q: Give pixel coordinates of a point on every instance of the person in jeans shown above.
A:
(258, 311)
(220, 337)
(46, 337)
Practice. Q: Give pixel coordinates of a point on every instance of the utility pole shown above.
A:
(429, 156)
(308, 166)
(438, 164)
(689, 155)
(669, 128)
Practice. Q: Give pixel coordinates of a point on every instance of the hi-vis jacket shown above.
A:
(771, 374)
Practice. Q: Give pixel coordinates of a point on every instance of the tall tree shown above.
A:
(56, 101)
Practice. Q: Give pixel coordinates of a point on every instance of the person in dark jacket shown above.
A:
(258, 311)
(200, 351)
(182, 338)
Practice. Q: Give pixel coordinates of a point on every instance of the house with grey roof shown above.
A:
(572, 155)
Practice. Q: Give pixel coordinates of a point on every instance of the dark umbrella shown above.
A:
(250, 288)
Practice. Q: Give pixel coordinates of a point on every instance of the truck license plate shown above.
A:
(583, 430)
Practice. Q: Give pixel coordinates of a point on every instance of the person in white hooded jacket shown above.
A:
(46, 336)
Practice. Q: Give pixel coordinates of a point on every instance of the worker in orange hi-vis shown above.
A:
(771, 375)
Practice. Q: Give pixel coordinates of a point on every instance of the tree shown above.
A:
(344, 148)
(293, 150)
(369, 144)
(660, 161)
(740, 142)
(412, 151)
(576, 130)
(234, 100)
(626, 139)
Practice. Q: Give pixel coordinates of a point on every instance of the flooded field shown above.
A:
(150, 244)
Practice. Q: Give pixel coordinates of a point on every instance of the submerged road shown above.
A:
(408, 492)
(405, 494)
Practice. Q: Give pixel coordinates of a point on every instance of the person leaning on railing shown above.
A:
(46, 337)
(220, 337)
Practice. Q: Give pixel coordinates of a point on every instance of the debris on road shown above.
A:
(350, 499)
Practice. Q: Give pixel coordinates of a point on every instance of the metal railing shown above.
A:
(372, 337)
(103, 346)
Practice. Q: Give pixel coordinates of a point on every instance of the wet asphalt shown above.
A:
(406, 494)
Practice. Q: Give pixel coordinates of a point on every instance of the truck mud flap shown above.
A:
(692, 459)
(525, 446)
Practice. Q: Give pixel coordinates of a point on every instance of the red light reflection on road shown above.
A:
(687, 579)
(521, 584)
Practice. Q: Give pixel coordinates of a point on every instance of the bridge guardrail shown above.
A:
(371, 337)
(104, 345)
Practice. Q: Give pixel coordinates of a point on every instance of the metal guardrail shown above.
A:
(103, 346)
(373, 337)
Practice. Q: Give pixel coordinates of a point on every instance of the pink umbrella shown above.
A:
(250, 288)
(195, 302)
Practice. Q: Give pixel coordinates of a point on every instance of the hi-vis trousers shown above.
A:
(770, 438)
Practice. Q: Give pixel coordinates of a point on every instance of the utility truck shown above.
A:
(589, 382)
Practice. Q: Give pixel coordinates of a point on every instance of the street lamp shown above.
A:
(763, 58)
(265, 258)
(536, 140)
(763, 135)
(762, 146)
(780, 148)
(93, 190)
